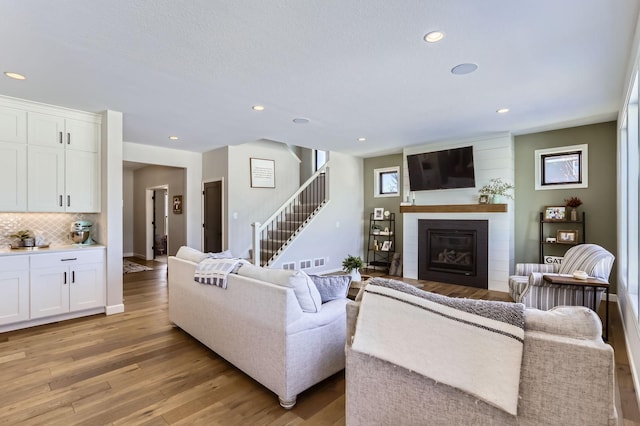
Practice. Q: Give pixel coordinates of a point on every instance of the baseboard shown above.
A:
(115, 309)
(129, 254)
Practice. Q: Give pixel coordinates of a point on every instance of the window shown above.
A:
(386, 182)
(562, 168)
(319, 158)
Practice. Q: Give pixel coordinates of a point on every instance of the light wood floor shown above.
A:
(136, 368)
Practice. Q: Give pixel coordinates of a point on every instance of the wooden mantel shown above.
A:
(456, 208)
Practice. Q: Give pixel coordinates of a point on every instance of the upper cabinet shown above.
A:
(56, 131)
(13, 125)
(13, 159)
(49, 158)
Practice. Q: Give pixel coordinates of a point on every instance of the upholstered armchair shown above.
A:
(528, 287)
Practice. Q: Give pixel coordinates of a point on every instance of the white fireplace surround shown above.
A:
(493, 157)
(500, 244)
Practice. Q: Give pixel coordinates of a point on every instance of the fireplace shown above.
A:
(453, 251)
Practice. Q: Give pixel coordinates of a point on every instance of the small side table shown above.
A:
(589, 282)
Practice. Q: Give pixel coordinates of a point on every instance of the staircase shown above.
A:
(273, 237)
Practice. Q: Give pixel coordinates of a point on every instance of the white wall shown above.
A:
(247, 205)
(338, 229)
(492, 157)
(111, 215)
(192, 163)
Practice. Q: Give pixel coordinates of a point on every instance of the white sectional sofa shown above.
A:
(259, 326)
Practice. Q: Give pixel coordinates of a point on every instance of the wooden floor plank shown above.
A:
(136, 368)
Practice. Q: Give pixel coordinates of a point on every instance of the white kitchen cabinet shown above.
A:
(14, 289)
(66, 282)
(13, 177)
(13, 125)
(53, 130)
(63, 165)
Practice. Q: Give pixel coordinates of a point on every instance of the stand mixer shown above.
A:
(81, 233)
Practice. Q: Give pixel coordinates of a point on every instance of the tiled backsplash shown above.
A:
(53, 227)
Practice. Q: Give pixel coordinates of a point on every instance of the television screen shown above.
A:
(450, 168)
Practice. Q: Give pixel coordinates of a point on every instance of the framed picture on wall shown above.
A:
(177, 204)
(262, 173)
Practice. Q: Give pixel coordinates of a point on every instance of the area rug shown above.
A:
(129, 267)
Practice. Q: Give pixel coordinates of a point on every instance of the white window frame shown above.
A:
(584, 162)
(376, 181)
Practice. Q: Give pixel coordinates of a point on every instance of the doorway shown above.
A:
(212, 217)
(157, 214)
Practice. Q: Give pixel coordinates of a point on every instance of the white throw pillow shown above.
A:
(191, 254)
(303, 287)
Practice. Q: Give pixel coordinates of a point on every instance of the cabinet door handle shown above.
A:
(60, 137)
(73, 277)
(68, 138)
(68, 259)
(60, 200)
(68, 200)
(65, 278)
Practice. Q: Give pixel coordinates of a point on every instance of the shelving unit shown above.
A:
(376, 257)
(551, 227)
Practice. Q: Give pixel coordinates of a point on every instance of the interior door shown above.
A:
(213, 216)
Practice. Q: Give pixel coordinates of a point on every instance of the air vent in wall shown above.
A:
(305, 264)
(290, 265)
(318, 262)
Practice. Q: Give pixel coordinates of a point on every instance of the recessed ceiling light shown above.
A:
(15, 75)
(362, 139)
(464, 69)
(173, 138)
(301, 120)
(503, 110)
(434, 36)
(258, 108)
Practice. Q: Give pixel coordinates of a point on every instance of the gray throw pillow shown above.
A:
(332, 286)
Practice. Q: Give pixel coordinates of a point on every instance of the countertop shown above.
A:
(7, 251)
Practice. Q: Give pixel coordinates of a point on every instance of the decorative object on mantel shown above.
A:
(352, 265)
(574, 203)
(497, 189)
(483, 199)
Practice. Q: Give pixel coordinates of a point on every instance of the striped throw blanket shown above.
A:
(215, 271)
(473, 345)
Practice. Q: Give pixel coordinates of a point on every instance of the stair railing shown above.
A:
(287, 222)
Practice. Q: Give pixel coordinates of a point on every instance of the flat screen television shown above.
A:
(447, 169)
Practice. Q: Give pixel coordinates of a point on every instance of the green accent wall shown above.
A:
(388, 203)
(599, 199)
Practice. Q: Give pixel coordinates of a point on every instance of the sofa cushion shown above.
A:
(331, 287)
(571, 321)
(191, 254)
(303, 287)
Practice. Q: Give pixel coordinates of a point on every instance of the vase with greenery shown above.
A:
(573, 203)
(352, 265)
(497, 189)
(24, 237)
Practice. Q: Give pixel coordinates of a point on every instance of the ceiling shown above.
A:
(352, 68)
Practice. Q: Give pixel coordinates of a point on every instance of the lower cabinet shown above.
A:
(14, 289)
(66, 282)
(33, 287)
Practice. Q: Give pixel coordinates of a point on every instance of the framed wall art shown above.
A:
(262, 173)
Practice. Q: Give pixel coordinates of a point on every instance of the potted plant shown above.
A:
(496, 189)
(573, 203)
(25, 239)
(352, 265)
